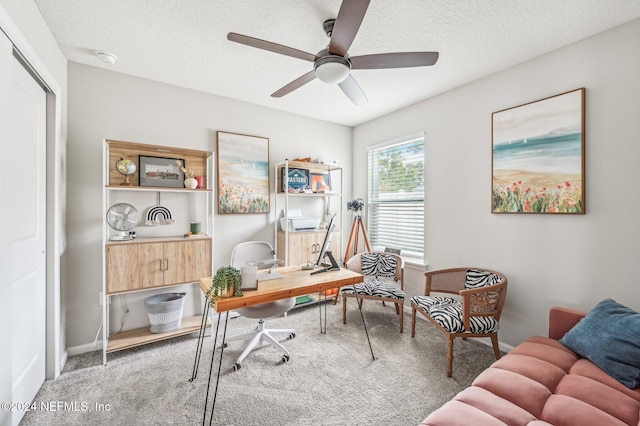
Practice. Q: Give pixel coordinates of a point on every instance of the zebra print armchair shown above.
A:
(383, 281)
(474, 313)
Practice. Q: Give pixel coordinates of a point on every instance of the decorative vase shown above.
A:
(227, 293)
(190, 183)
(200, 180)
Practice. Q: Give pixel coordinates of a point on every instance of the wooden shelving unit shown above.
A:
(155, 262)
(297, 247)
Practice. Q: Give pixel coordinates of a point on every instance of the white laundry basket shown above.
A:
(165, 311)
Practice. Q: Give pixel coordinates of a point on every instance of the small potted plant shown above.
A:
(226, 282)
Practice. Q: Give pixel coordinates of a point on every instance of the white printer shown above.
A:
(296, 222)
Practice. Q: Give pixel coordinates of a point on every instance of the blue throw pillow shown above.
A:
(609, 336)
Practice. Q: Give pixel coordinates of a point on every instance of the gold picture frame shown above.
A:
(538, 156)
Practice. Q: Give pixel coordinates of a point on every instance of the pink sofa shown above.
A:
(542, 382)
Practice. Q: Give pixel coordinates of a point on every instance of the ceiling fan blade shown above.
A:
(394, 60)
(271, 47)
(346, 26)
(295, 84)
(353, 91)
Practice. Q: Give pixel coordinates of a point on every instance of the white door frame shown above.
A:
(56, 187)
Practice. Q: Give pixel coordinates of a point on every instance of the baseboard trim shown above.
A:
(87, 347)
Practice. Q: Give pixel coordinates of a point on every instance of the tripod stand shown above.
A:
(352, 245)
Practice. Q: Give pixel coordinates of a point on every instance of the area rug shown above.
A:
(331, 379)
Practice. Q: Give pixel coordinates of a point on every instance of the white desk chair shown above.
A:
(260, 252)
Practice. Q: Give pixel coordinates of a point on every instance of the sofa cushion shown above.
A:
(600, 396)
(609, 336)
(503, 410)
(565, 410)
(584, 367)
(522, 391)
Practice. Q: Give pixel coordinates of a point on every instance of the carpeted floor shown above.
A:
(330, 379)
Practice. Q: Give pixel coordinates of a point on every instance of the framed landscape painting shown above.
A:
(243, 173)
(538, 156)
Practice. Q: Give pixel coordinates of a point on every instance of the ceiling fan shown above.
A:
(333, 65)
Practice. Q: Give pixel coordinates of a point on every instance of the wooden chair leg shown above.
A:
(449, 356)
(401, 317)
(344, 308)
(496, 348)
(413, 321)
(335, 299)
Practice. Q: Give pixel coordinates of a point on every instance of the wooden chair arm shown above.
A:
(483, 301)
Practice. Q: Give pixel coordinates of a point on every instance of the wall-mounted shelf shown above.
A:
(152, 189)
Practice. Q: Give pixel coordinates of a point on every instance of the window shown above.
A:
(396, 196)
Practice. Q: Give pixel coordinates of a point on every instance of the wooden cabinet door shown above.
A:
(303, 246)
(197, 260)
(336, 245)
(123, 271)
(151, 264)
(306, 246)
(173, 262)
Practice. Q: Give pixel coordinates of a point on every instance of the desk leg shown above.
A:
(213, 355)
(203, 327)
(355, 290)
(322, 301)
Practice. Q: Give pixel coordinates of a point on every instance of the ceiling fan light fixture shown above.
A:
(332, 69)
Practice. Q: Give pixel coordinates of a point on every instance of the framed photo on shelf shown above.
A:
(321, 182)
(243, 173)
(160, 171)
(538, 156)
(297, 180)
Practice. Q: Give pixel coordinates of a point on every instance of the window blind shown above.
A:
(395, 213)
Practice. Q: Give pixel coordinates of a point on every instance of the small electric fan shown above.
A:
(122, 217)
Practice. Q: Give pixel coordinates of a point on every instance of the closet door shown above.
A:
(23, 228)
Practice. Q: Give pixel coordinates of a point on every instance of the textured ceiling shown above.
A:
(184, 43)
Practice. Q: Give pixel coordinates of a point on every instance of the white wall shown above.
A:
(573, 260)
(104, 104)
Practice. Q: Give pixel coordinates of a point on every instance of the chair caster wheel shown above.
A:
(292, 336)
(236, 367)
(285, 358)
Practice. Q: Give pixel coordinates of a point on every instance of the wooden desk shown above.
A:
(295, 282)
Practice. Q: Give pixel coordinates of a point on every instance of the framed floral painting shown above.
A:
(538, 156)
(243, 173)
